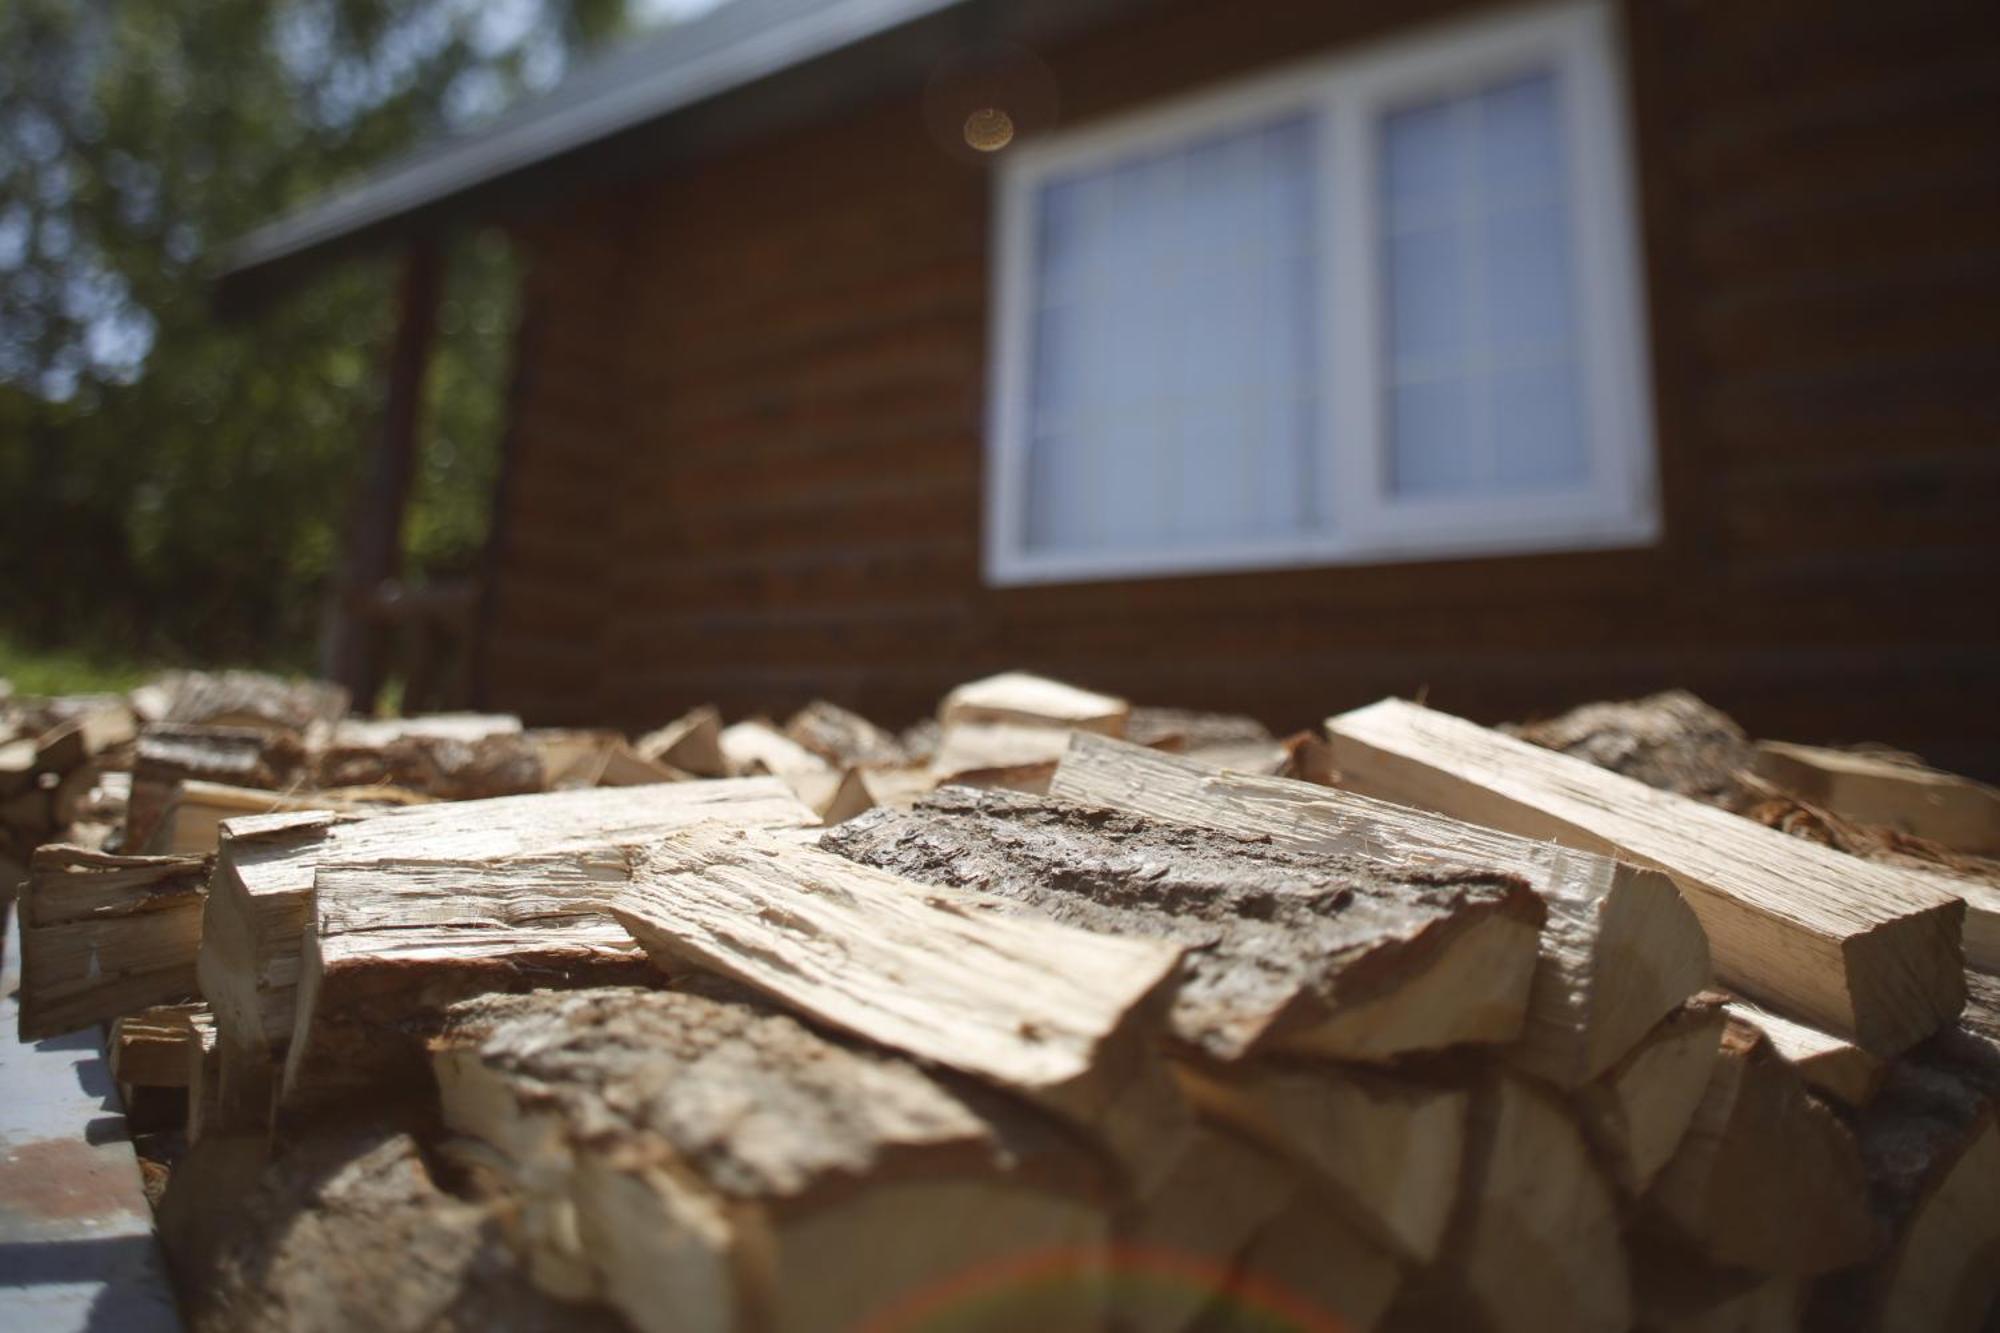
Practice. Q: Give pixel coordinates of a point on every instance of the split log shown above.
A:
(1941, 807)
(1186, 730)
(1537, 1245)
(844, 738)
(357, 733)
(259, 906)
(1679, 1291)
(1672, 741)
(1638, 1111)
(1767, 1178)
(204, 1075)
(103, 936)
(253, 699)
(438, 763)
(396, 941)
(691, 743)
(1064, 1018)
(1019, 699)
(897, 788)
(1620, 950)
(1309, 1269)
(713, 1164)
(1387, 1149)
(149, 1049)
(1839, 1069)
(998, 754)
(349, 1229)
(1862, 950)
(166, 756)
(191, 824)
(754, 747)
(1195, 1225)
(1933, 1155)
(1322, 955)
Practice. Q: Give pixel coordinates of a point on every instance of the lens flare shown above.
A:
(989, 129)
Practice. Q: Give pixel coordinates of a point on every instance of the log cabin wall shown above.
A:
(747, 456)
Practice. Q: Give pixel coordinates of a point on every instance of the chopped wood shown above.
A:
(755, 747)
(1211, 1205)
(1020, 699)
(1308, 758)
(1672, 741)
(1620, 949)
(191, 824)
(204, 1074)
(1638, 1111)
(1062, 1017)
(253, 699)
(1323, 955)
(1767, 1178)
(441, 764)
(349, 1228)
(1183, 730)
(103, 936)
(167, 755)
(1537, 1245)
(260, 905)
(843, 738)
(1386, 1148)
(149, 1049)
(1933, 1155)
(713, 1164)
(897, 788)
(1941, 807)
(1679, 1291)
(998, 754)
(1865, 951)
(1839, 1069)
(355, 733)
(691, 743)
(1309, 1268)
(395, 941)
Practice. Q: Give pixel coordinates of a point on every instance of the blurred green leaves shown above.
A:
(170, 485)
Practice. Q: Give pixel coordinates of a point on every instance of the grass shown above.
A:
(66, 671)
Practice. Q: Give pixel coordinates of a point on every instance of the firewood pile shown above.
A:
(1052, 1012)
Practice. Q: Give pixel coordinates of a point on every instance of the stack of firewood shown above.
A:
(1077, 1016)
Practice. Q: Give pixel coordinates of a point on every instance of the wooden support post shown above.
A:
(351, 643)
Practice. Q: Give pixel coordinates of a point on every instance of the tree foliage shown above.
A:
(171, 484)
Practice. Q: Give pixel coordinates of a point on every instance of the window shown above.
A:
(1384, 307)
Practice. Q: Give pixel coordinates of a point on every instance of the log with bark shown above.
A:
(1286, 952)
(1619, 951)
(1065, 1018)
(705, 1162)
(261, 905)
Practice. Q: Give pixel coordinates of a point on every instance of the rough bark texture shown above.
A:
(1672, 741)
(1281, 947)
(708, 1162)
(1063, 1017)
(1620, 949)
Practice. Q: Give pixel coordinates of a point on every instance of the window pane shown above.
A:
(1480, 339)
(1175, 362)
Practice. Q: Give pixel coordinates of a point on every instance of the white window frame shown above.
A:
(1348, 94)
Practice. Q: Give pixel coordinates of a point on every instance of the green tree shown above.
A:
(172, 485)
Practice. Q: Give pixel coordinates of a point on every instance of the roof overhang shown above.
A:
(748, 69)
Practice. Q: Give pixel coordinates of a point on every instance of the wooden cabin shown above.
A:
(1261, 355)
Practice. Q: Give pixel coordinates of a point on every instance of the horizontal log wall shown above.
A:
(747, 459)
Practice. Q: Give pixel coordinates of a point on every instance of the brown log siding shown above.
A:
(747, 448)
